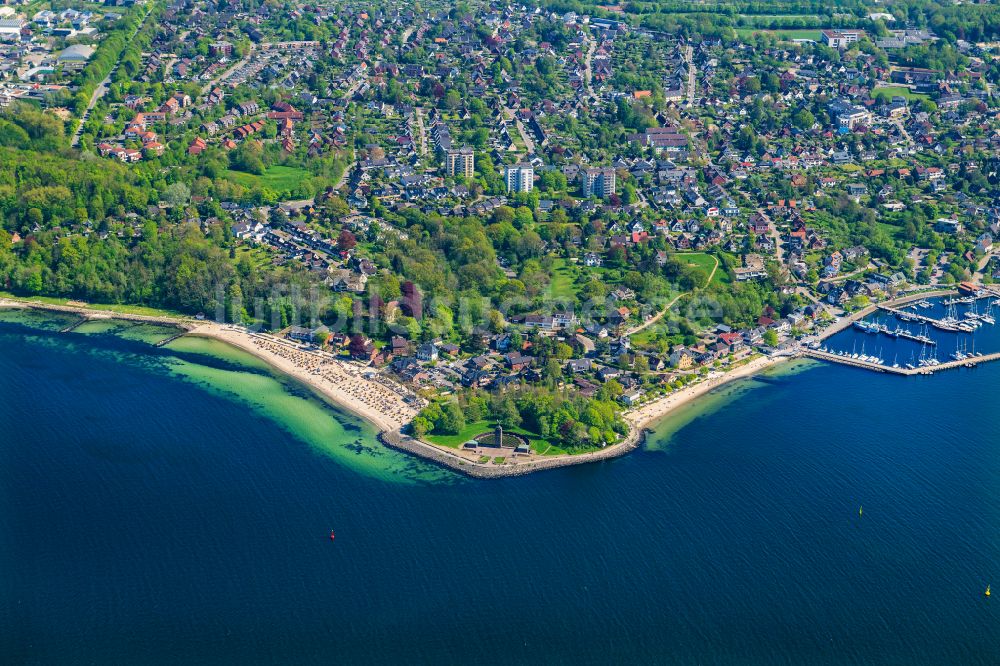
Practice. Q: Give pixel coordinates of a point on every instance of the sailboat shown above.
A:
(988, 315)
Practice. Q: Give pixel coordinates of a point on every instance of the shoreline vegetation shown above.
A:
(390, 406)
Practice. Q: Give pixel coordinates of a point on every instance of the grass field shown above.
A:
(564, 275)
(784, 33)
(902, 91)
(277, 178)
(706, 263)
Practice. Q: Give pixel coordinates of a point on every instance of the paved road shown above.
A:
(102, 88)
(981, 268)
(344, 176)
(528, 143)
(588, 72)
(689, 59)
(779, 249)
(349, 93)
(902, 130)
(419, 113)
(525, 137)
(228, 72)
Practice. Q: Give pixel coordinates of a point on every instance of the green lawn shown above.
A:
(902, 91)
(277, 178)
(563, 284)
(770, 17)
(785, 33)
(472, 429)
(705, 262)
(537, 444)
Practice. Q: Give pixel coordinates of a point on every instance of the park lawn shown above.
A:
(537, 444)
(277, 178)
(471, 430)
(721, 276)
(478, 427)
(902, 91)
(137, 310)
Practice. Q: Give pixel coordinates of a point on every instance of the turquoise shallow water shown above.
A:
(174, 506)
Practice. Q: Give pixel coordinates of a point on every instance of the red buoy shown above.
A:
(331, 535)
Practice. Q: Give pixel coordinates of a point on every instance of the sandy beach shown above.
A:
(390, 406)
(360, 390)
(649, 413)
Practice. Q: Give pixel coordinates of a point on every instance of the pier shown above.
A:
(185, 323)
(902, 333)
(81, 320)
(907, 335)
(969, 362)
(853, 362)
(167, 341)
(924, 319)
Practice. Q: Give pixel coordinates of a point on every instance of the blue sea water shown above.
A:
(149, 516)
(985, 340)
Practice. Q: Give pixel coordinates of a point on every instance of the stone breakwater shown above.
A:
(476, 470)
(82, 311)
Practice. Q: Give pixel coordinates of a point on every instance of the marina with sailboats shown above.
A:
(916, 337)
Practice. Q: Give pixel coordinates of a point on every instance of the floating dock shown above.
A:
(899, 333)
(924, 319)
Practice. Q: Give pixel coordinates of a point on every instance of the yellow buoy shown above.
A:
(987, 590)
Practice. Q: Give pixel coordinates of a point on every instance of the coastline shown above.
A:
(281, 355)
(383, 402)
(650, 413)
(342, 383)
